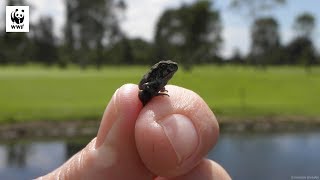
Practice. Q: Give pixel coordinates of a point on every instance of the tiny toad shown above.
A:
(153, 82)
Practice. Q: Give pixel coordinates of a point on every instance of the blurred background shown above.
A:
(256, 64)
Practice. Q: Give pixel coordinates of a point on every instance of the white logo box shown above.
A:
(17, 18)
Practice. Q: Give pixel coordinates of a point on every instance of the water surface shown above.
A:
(244, 156)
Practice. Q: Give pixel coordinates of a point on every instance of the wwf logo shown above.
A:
(17, 16)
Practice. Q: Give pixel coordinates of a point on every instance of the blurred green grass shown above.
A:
(38, 93)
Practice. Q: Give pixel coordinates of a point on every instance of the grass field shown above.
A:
(35, 93)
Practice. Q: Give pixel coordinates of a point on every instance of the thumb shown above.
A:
(113, 154)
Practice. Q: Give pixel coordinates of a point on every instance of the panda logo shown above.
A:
(17, 16)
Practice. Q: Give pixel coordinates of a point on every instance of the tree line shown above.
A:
(189, 34)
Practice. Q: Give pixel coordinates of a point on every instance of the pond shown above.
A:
(244, 156)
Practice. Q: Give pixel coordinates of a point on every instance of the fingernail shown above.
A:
(182, 135)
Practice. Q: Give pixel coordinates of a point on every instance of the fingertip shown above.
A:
(127, 97)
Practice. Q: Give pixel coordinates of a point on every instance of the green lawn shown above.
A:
(35, 93)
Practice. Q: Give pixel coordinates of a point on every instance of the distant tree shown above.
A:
(130, 51)
(120, 52)
(15, 47)
(189, 34)
(90, 27)
(236, 57)
(301, 49)
(68, 49)
(46, 51)
(16, 2)
(126, 55)
(142, 51)
(3, 55)
(304, 25)
(265, 41)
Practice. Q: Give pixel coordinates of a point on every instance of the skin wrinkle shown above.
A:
(81, 159)
(58, 174)
(187, 103)
(85, 158)
(69, 168)
(63, 174)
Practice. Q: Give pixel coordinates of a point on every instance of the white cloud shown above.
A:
(55, 10)
(142, 15)
(235, 37)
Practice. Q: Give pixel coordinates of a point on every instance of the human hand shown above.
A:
(166, 139)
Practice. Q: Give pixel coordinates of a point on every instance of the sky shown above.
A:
(141, 17)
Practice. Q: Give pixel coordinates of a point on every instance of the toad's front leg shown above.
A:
(163, 89)
(163, 92)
